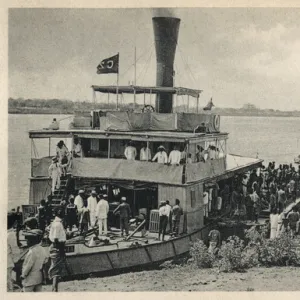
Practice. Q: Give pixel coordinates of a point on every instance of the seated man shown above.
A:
(54, 125)
(77, 149)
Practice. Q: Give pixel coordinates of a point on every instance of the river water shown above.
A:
(272, 139)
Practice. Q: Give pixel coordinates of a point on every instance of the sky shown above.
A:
(235, 55)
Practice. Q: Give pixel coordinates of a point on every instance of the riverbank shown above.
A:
(187, 278)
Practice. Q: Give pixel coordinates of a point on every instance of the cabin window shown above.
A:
(193, 198)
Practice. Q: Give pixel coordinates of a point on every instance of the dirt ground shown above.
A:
(189, 279)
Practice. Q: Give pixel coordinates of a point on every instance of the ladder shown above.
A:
(58, 195)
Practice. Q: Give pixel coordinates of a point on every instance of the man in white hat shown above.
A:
(161, 156)
(101, 214)
(79, 201)
(92, 206)
(125, 214)
(55, 173)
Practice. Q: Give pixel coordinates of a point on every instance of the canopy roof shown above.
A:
(133, 89)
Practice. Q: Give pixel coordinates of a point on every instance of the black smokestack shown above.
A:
(166, 36)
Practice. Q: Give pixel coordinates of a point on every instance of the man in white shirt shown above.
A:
(163, 219)
(174, 157)
(55, 173)
(145, 153)
(161, 156)
(79, 201)
(101, 214)
(92, 207)
(130, 151)
(77, 149)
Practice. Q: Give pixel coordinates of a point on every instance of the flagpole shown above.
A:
(118, 82)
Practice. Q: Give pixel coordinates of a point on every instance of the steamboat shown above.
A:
(103, 136)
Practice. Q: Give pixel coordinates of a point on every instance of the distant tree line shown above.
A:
(62, 106)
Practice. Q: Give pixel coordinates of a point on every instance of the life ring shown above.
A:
(217, 122)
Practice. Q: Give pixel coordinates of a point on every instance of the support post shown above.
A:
(198, 104)
(108, 155)
(49, 146)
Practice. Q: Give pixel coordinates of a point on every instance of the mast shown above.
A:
(134, 71)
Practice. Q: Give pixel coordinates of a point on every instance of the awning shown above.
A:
(132, 89)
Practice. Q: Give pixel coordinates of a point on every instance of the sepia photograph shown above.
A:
(153, 149)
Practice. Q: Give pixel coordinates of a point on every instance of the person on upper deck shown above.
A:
(200, 154)
(175, 156)
(130, 151)
(161, 156)
(212, 154)
(54, 125)
(77, 149)
(145, 153)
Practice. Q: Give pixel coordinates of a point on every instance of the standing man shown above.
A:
(125, 214)
(92, 206)
(71, 214)
(177, 213)
(163, 219)
(85, 220)
(13, 250)
(102, 210)
(130, 151)
(145, 153)
(175, 156)
(79, 201)
(42, 215)
(34, 262)
(55, 173)
(57, 236)
(161, 156)
(169, 207)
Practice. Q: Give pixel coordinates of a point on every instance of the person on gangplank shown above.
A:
(55, 174)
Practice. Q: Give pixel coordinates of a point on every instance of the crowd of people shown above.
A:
(175, 157)
(273, 189)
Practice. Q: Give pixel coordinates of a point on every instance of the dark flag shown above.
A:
(209, 105)
(109, 65)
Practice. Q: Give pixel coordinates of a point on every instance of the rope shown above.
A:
(187, 65)
(147, 66)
